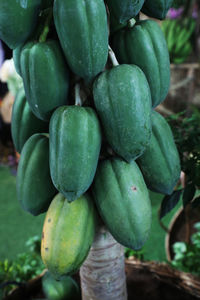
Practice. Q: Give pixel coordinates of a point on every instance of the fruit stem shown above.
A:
(131, 23)
(78, 100)
(113, 57)
(45, 31)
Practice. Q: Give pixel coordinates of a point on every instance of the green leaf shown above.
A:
(188, 193)
(169, 202)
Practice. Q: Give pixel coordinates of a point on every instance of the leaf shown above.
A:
(188, 193)
(196, 202)
(169, 202)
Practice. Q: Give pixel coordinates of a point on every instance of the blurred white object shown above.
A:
(1, 54)
(9, 75)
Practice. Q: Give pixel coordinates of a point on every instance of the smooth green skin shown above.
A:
(64, 289)
(160, 163)
(35, 189)
(124, 10)
(123, 102)
(24, 123)
(45, 76)
(123, 201)
(156, 8)
(144, 45)
(18, 19)
(16, 58)
(75, 142)
(83, 33)
(68, 234)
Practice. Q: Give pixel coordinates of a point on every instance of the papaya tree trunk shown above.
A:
(103, 272)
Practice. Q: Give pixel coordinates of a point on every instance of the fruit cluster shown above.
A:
(106, 146)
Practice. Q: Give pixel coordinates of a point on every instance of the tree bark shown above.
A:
(103, 273)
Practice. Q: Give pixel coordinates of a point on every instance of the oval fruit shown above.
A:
(45, 76)
(18, 19)
(75, 142)
(83, 33)
(123, 201)
(144, 45)
(35, 189)
(68, 233)
(123, 102)
(160, 163)
(24, 123)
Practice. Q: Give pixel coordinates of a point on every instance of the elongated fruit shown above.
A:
(24, 123)
(123, 102)
(35, 189)
(83, 33)
(144, 45)
(156, 8)
(45, 76)
(18, 19)
(160, 163)
(75, 141)
(68, 233)
(123, 201)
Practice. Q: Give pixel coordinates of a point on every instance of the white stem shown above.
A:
(103, 272)
(78, 100)
(112, 57)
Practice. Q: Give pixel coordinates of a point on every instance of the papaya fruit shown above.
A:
(123, 201)
(18, 19)
(83, 33)
(144, 45)
(123, 102)
(35, 189)
(64, 289)
(156, 8)
(24, 123)
(68, 233)
(122, 11)
(75, 142)
(160, 163)
(45, 76)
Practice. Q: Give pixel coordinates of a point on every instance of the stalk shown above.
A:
(103, 273)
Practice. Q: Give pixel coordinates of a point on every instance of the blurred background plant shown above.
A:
(182, 30)
(26, 266)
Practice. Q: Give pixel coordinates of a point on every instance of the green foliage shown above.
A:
(139, 254)
(187, 255)
(186, 131)
(26, 266)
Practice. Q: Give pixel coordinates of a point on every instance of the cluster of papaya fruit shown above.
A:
(108, 150)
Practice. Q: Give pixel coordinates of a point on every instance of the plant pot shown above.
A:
(150, 280)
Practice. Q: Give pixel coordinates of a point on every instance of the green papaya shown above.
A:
(35, 189)
(45, 76)
(18, 19)
(160, 163)
(83, 33)
(68, 233)
(144, 45)
(75, 141)
(123, 102)
(24, 123)
(123, 201)
(156, 8)
(64, 289)
(122, 11)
